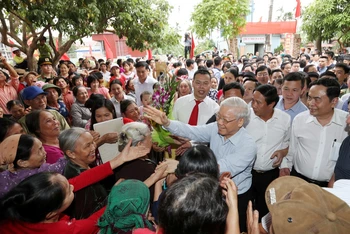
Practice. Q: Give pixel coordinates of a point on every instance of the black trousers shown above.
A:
(187, 50)
(301, 176)
(261, 181)
(243, 200)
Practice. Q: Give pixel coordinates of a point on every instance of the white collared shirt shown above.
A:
(311, 144)
(117, 105)
(184, 105)
(141, 87)
(106, 76)
(269, 136)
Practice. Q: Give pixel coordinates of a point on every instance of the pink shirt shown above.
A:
(53, 153)
(68, 99)
(8, 93)
(104, 91)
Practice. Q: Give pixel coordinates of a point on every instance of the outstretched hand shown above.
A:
(130, 153)
(156, 115)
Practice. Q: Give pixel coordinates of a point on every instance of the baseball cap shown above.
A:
(32, 92)
(299, 207)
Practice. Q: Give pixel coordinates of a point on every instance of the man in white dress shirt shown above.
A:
(143, 82)
(207, 108)
(270, 128)
(317, 134)
(183, 106)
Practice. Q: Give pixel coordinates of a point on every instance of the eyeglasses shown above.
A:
(224, 121)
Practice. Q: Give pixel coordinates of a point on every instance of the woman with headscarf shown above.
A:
(127, 208)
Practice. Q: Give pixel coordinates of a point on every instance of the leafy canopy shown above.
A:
(141, 21)
(228, 16)
(327, 19)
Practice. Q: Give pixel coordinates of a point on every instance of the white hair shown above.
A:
(242, 109)
(136, 131)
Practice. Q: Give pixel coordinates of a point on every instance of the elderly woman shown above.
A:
(79, 113)
(46, 128)
(27, 157)
(79, 148)
(143, 167)
(121, 215)
(53, 101)
(184, 88)
(16, 109)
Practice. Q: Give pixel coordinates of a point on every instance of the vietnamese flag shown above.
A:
(298, 9)
(108, 50)
(192, 48)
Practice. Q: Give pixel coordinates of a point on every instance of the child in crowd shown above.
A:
(146, 99)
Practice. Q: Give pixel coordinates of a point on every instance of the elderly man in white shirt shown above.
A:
(270, 128)
(316, 135)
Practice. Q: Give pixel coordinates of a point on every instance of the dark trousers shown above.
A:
(187, 50)
(261, 181)
(301, 176)
(243, 200)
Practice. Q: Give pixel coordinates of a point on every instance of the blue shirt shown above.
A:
(294, 111)
(236, 154)
(62, 109)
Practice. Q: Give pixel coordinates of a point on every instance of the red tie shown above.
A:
(194, 115)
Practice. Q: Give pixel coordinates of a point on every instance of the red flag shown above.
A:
(298, 9)
(149, 54)
(192, 48)
(64, 56)
(108, 50)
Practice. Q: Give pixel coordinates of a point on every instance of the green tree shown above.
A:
(228, 16)
(204, 45)
(327, 19)
(142, 22)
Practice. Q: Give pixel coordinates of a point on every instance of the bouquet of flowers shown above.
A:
(163, 99)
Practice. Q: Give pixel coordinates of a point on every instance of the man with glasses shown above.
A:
(263, 74)
(234, 148)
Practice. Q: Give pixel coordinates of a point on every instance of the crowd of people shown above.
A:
(260, 146)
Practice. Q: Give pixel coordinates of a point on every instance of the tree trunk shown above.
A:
(233, 47)
(32, 62)
(319, 43)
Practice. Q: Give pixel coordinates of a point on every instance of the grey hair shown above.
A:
(136, 131)
(242, 109)
(69, 137)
